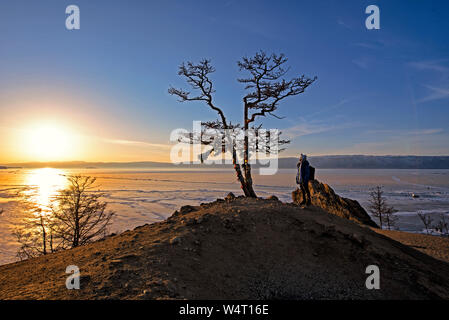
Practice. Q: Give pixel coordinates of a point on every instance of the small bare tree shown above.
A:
(35, 235)
(443, 226)
(380, 209)
(78, 214)
(75, 217)
(266, 88)
(427, 220)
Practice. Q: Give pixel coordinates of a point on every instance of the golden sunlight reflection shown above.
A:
(44, 185)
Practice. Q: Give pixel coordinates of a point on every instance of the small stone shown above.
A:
(175, 240)
(115, 262)
(230, 196)
(199, 220)
(186, 209)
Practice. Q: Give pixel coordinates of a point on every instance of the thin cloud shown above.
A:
(436, 94)
(427, 131)
(399, 132)
(344, 24)
(339, 104)
(367, 45)
(310, 128)
(430, 65)
(137, 143)
(362, 62)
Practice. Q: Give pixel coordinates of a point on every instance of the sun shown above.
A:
(48, 142)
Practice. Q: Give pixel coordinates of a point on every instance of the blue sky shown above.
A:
(378, 91)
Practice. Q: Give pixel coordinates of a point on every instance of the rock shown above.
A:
(324, 197)
(190, 222)
(186, 209)
(200, 220)
(274, 198)
(175, 240)
(130, 256)
(115, 262)
(230, 196)
(358, 239)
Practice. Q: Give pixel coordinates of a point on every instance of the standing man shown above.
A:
(302, 178)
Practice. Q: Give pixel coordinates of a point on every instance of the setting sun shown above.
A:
(48, 142)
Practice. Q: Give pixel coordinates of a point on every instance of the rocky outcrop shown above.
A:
(324, 197)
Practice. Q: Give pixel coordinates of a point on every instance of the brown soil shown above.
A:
(437, 247)
(236, 249)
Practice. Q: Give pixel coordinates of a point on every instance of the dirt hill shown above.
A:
(235, 249)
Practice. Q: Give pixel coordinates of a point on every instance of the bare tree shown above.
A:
(426, 220)
(380, 209)
(75, 217)
(78, 214)
(35, 235)
(390, 218)
(443, 226)
(266, 88)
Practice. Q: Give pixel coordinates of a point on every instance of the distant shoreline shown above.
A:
(319, 162)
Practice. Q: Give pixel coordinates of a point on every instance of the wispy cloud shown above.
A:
(137, 143)
(440, 72)
(343, 23)
(369, 45)
(332, 107)
(427, 131)
(435, 94)
(401, 132)
(362, 62)
(309, 128)
(430, 65)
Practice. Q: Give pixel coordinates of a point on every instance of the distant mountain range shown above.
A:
(322, 162)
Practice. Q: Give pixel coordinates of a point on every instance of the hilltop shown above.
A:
(236, 248)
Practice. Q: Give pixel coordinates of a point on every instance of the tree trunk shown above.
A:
(246, 166)
(239, 173)
(44, 237)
